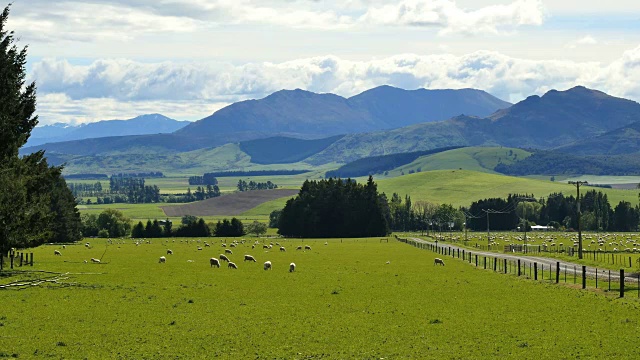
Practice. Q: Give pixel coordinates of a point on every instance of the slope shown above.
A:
(625, 140)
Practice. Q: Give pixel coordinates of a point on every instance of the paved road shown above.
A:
(547, 262)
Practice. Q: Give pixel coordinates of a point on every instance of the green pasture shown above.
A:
(343, 301)
(462, 187)
(483, 159)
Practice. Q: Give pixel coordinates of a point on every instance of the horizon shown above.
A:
(117, 59)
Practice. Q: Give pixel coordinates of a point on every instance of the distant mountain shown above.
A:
(625, 140)
(310, 115)
(557, 118)
(141, 125)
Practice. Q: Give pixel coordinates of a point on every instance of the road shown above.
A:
(547, 262)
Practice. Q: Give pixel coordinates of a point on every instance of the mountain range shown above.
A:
(380, 121)
(141, 125)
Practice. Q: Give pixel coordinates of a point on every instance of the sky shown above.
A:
(117, 59)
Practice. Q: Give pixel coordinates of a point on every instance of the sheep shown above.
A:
(162, 260)
(169, 252)
(97, 261)
(207, 244)
(232, 265)
(249, 258)
(326, 243)
(56, 252)
(64, 246)
(228, 251)
(224, 258)
(307, 247)
(87, 245)
(299, 248)
(214, 262)
(267, 265)
(265, 246)
(282, 249)
(253, 246)
(232, 245)
(438, 261)
(292, 267)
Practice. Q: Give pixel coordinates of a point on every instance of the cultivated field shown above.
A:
(343, 301)
(232, 204)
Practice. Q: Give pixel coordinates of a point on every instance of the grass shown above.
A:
(462, 187)
(343, 301)
(483, 159)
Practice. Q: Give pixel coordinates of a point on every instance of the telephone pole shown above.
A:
(577, 184)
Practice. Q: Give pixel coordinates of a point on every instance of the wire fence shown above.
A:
(550, 272)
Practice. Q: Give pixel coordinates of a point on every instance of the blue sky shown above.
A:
(108, 59)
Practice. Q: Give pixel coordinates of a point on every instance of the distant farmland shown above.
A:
(233, 204)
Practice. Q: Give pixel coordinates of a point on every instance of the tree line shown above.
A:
(36, 206)
(206, 179)
(252, 185)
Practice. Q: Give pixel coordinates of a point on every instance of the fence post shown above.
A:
(31, 262)
(518, 267)
(476, 260)
(505, 266)
(630, 262)
(21, 258)
(485, 263)
(557, 272)
(463, 255)
(495, 263)
(584, 277)
(535, 271)
(596, 278)
(621, 283)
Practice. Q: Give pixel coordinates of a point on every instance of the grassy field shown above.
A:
(462, 187)
(482, 159)
(343, 301)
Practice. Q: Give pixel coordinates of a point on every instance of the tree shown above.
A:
(274, 218)
(114, 222)
(257, 228)
(34, 206)
(138, 230)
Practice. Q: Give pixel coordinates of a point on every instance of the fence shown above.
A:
(17, 258)
(607, 280)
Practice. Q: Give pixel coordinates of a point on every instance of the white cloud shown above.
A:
(111, 86)
(446, 15)
(587, 40)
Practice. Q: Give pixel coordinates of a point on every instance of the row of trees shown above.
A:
(201, 193)
(206, 179)
(252, 185)
(36, 206)
(81, 189)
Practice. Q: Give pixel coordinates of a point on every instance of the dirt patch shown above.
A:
(232, 204)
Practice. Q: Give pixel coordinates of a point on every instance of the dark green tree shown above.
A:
(138, 231)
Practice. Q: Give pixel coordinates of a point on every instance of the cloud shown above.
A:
(446, 15)
(587, 40)
(123, 20)
(172, 85)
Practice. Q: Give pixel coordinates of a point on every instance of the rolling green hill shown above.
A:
(284, 150)
(461, 187)
(483, 159)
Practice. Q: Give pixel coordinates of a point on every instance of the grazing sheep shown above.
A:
(224, 245)
(299, 248)
(438, 261)
(207, 244)
(224, 258)
(265, 246)
(169, 252)
(162, 259)
(253, 246)
(97, 261)
(228, 251)
(292, 267)
(282, 248)
(232, 265)
(87, 245)
(267, 265)
(85, 261)
(56, 252)
(307, 247)
(249, 258)
(64, 246)
(232, 245)
(214, 262)
(326, 243)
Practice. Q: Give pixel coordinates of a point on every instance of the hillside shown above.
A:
(230, 205)
(141, 125)
(625, 140)
(283, 150)
(461, 187)
(306, 114)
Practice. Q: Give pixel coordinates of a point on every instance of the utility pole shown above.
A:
(577, 184)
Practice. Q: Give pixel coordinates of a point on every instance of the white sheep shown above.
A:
(299, 248)
(56, 252)
(232, 265)
(307, 247)
(224, 258)
(265, 246)
(169, 252)
(438, 261)
(292, 267)
(199, 248)
(64, 246)
(97, 261)
(249, 258)
(162, 260)
(267, 265)
(214, 262)
(87, 245)
(228, 251)
(282, 249)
